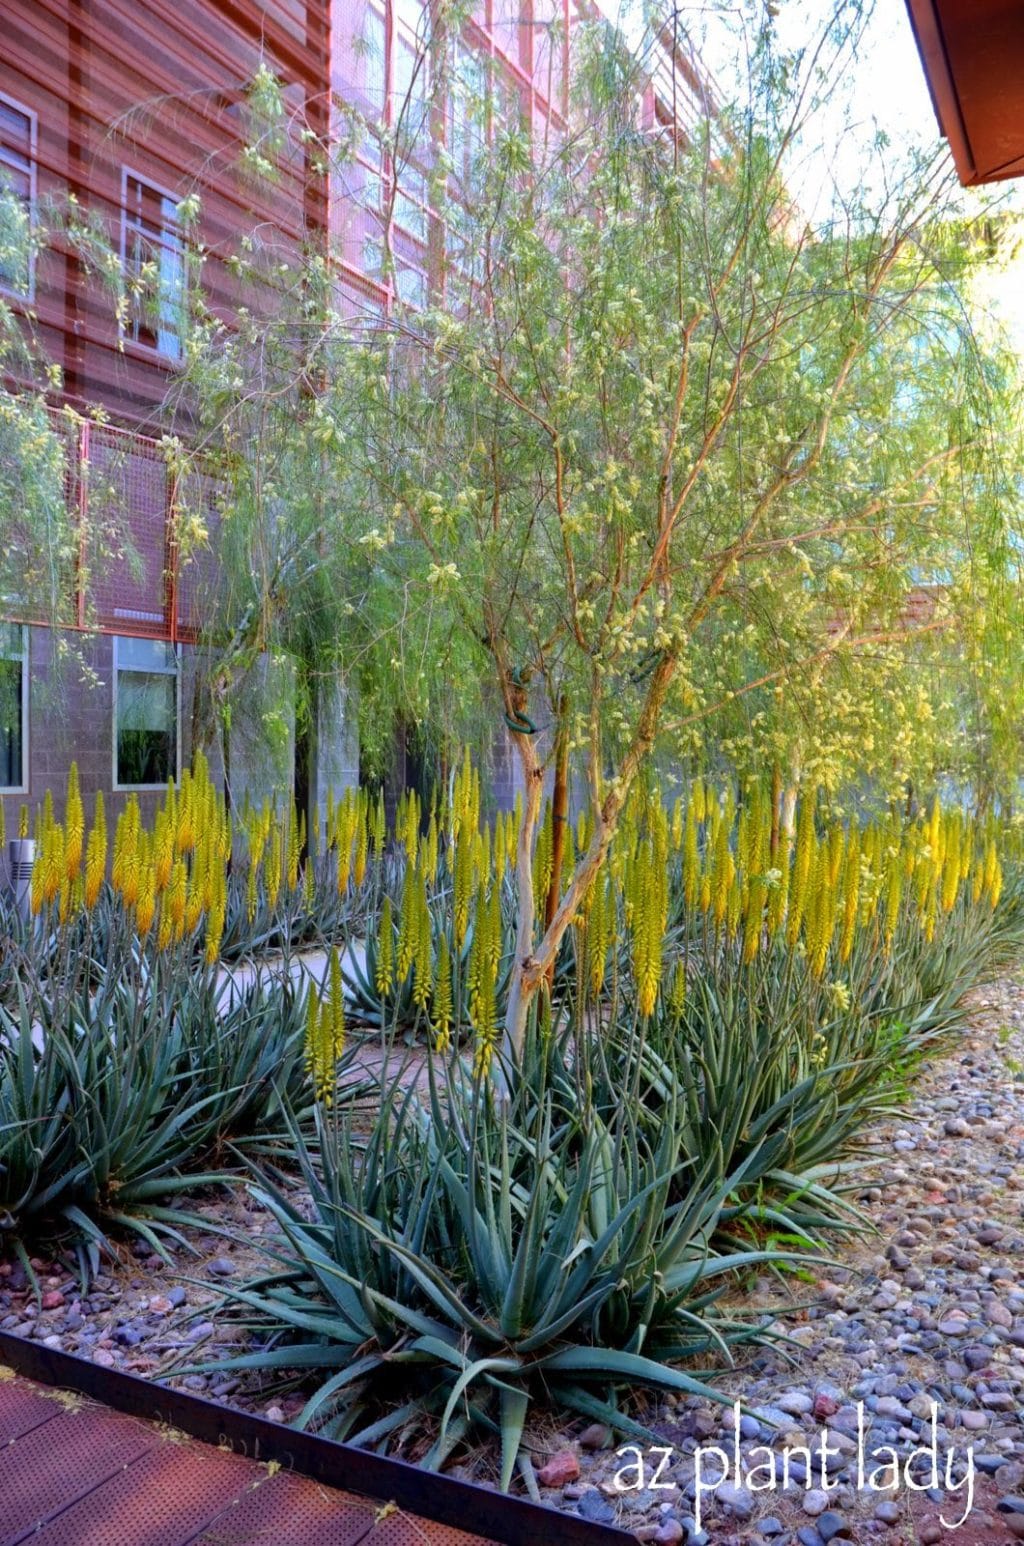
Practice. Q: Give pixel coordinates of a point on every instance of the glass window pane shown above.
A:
(373, 49)
(15, 199)
(147, 730)
(12, 640)
(155, 269)
(411, 99)
(145, 702)
(11, 727)
(15, 131)
(145, 655)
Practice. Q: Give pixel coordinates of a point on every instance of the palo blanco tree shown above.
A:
(671, 449)
(666, 459)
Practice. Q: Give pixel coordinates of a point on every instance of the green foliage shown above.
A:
(464, 1258)
(114, 1095)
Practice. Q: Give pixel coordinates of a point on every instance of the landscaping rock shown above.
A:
(221, 1267)
(561, 1468)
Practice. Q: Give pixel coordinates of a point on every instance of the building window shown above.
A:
(17, 197)
(145, 713)
(13, 705)
(154, 268)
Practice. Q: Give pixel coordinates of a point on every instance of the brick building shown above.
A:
(129, 107)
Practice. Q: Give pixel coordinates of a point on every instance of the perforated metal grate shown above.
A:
(165, 1499)
(73, 1473)
(292, 1511)
(401, 1529)
(58, 1462)
(22, 1408)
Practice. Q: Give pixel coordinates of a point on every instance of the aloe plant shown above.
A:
(466, 1258)
(115, 1102)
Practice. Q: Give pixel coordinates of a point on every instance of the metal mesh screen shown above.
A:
(122, 572)
(73, 1473)
(126, 533)
(199, 580)
(38, 489)
(22, 1409)
(164, 1499)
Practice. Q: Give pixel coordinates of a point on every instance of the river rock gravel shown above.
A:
(925, 1316)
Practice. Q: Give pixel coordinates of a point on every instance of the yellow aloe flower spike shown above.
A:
(408, 920)
(214, 931)
(893, 899)
(362, 839)
(598, 933)
(274, 866)
(336, 1003)
(677, 991)
(851, 895)
(423, 963)
(177, 896)
(442, 1006)
(74, 824)
(950, 880)
(385, 968)
(145, 906)
(96, 854)
(462, 886)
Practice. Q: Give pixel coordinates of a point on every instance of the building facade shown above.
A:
(119, 111)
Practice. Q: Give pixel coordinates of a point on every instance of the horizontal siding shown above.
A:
(158, 89)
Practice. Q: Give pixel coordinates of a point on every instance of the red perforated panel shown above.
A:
(292, 1511)
(22, 1408)
(401, 1529)
(164, 1499)
(198, 571)
(50, 1468)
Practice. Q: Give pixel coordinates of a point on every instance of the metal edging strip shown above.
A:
(445, 1500)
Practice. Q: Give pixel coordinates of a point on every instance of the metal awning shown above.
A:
(973, 57)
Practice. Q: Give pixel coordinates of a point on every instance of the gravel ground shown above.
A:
(925, 1318)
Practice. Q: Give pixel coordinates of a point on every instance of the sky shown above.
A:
(884, 89)
(888, 91)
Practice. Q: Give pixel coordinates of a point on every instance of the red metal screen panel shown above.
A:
(39, 546)
(126, 533)
(401, 1529)
(199, 588)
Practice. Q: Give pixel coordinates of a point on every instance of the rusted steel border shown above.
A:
(443, 1499)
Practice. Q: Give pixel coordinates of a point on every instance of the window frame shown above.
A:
(28, 295)
(130, 223)
(133, 638)
(21, 788)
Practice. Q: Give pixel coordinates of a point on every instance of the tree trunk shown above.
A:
(529, 967)
(559, 821)
(521, 988)
(789, 806)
